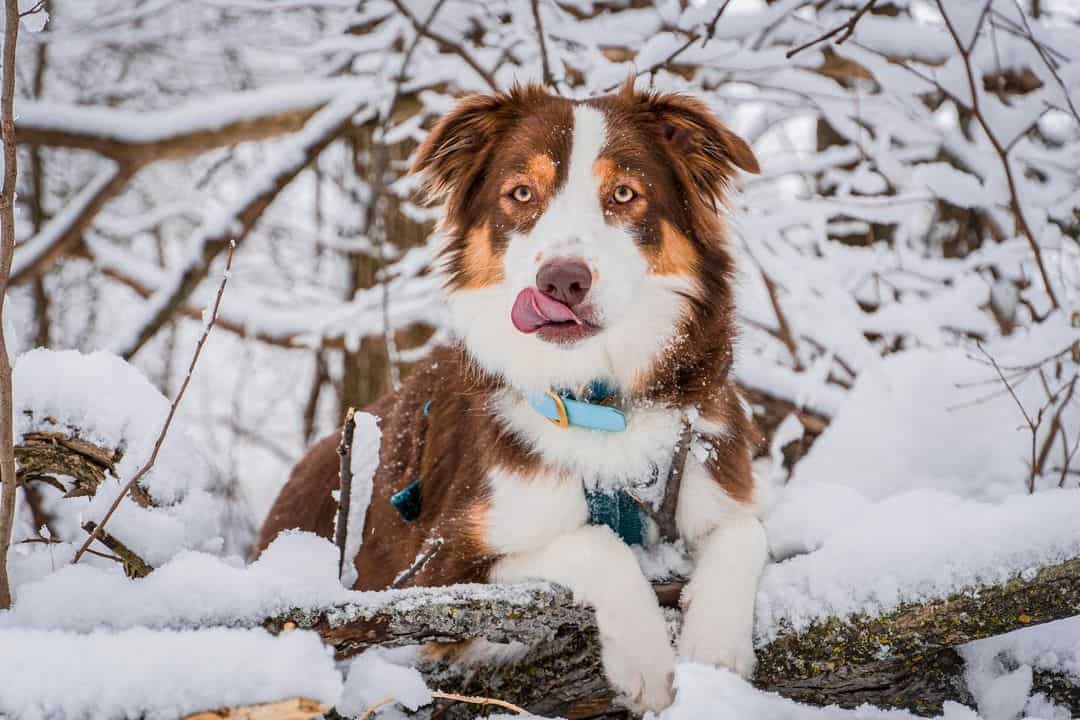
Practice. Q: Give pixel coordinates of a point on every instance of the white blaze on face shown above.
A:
(574, 226)
(637, 310)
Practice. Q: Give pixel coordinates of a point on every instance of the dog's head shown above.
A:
(582, 236)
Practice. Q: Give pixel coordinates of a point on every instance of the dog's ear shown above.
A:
(704, 149)
(456, 146)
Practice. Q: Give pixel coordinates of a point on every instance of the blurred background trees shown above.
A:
(920, 189)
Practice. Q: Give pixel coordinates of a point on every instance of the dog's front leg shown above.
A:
(718, 623)
(602, 572)
(730, 551)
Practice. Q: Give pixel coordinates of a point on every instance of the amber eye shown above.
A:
(622, 194)
(522, 193)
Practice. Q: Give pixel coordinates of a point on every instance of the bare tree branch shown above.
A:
(134, 566)
(544, 64)
(65, 229)
(7, 251)
(1002, 152)
(108, 132)
(135, 138)
(445, 44)
(234, 223)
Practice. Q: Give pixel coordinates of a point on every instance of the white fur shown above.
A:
(525, 513)
(602, 572)
(730, 551)
(638, 310)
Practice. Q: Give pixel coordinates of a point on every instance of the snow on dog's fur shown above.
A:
(584, 242)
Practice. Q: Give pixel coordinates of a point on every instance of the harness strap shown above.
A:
(407, 500)
(665, 516)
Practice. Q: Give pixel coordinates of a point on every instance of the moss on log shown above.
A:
(905, 646)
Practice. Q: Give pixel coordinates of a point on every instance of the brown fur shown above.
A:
(678, 159)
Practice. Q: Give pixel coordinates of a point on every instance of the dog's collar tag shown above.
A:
(567, 412)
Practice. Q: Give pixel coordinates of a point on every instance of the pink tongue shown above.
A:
(533, 310)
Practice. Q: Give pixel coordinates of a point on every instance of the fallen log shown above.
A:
(903, 658)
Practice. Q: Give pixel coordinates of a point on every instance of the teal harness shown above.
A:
(617, 509)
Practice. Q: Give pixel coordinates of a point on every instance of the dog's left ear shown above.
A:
(699, 143)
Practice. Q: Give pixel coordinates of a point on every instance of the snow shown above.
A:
(371, 679)
(913, 546)
(109, 403)
(365, 461)
(158, 674)
(707, 692)
(298, 570)
(99, 398)
(922, 419)
(1051, 647)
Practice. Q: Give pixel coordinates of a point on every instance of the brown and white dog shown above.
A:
(585, 243)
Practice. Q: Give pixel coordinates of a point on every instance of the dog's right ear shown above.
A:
(455, 147)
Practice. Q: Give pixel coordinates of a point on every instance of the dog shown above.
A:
(590, 294)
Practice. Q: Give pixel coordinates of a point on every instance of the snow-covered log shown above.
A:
(904, 658)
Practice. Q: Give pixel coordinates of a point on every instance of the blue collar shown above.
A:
(560, 407)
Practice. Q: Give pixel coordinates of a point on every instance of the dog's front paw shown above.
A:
(644, 681)
(724, 638)
(734, 651)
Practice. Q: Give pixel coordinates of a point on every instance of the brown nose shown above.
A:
(568, 281)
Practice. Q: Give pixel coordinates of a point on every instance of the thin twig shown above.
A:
(344, 450)
(544, 65)
(786, 336)
(418, 564)
(1033, 426)
(710, 29)
(1052, 67)
(1065, 468)
(95, 534)
(58, 541)
(847, 28)
(455, 698)
(1057, 427)
(134, 566)
(7, 250)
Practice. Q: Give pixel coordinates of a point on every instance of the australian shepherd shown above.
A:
(590, 291)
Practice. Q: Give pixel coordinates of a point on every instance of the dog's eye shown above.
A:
(522, 193)
(622, 194)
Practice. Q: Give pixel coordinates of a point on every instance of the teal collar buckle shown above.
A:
(561, 408)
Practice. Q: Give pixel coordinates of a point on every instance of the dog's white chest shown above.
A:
(527, 512)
